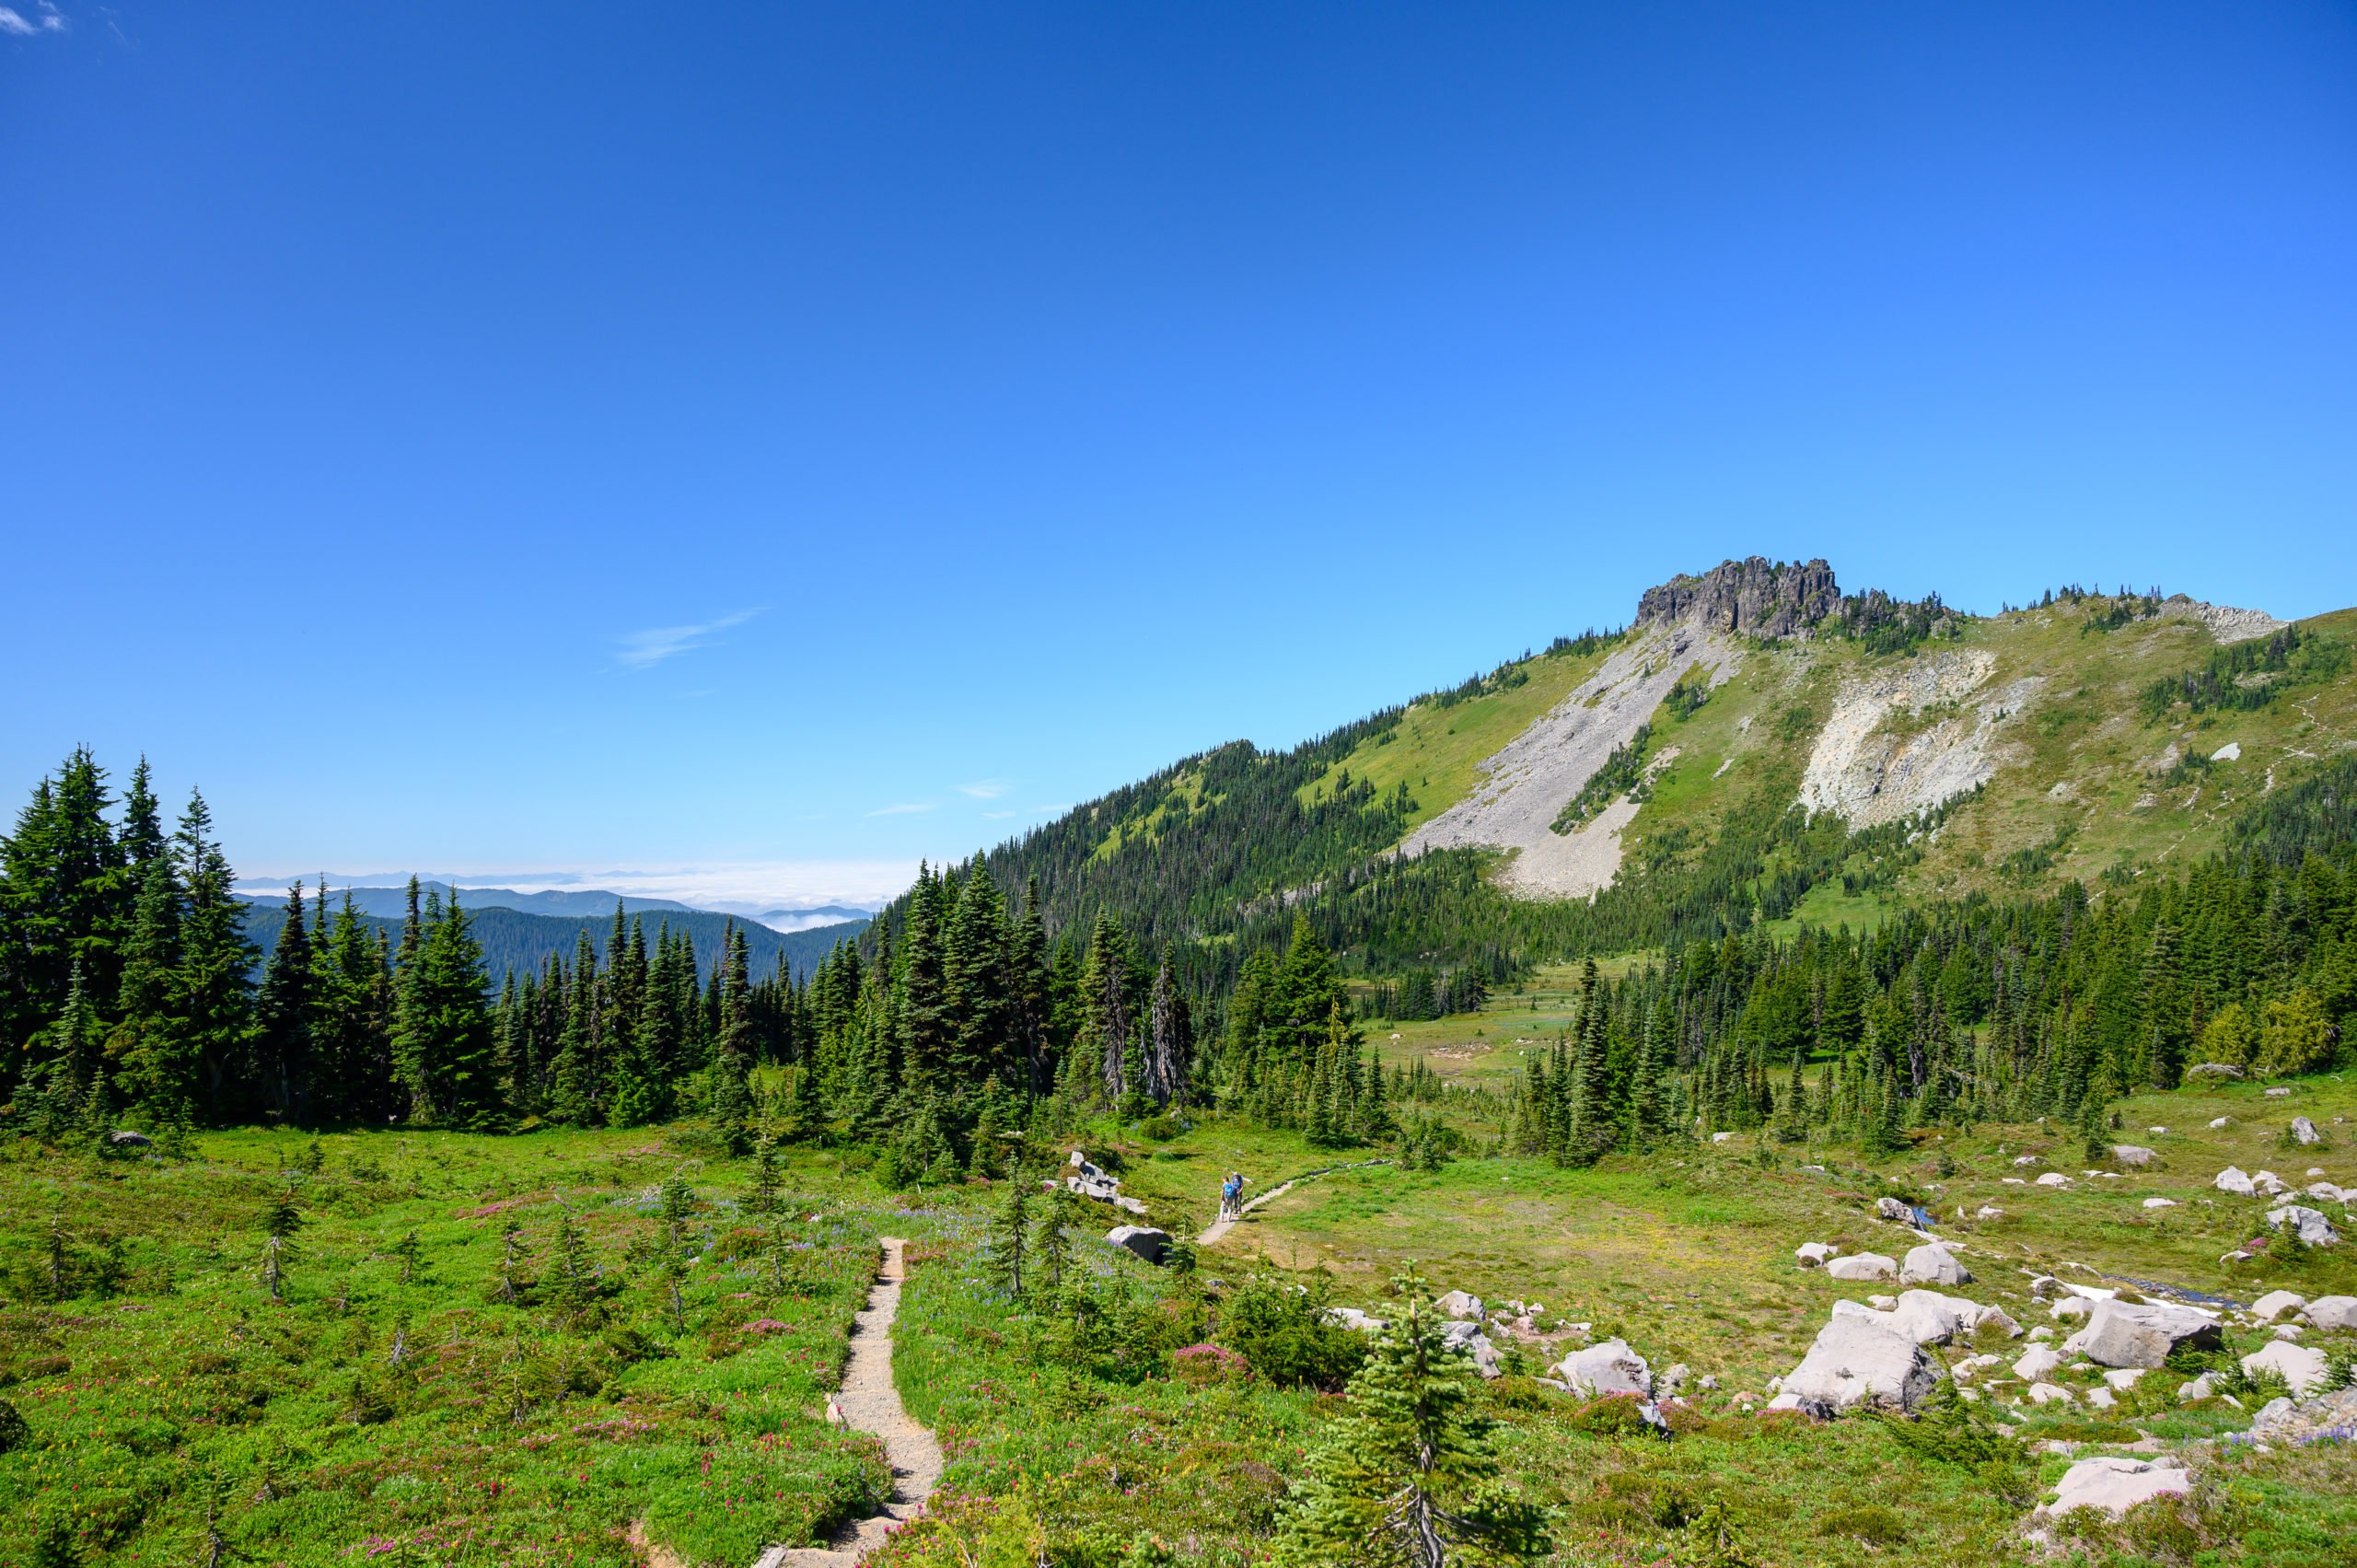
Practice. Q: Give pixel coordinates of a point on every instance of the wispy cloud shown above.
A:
(986, 789)
(641, 650)
(905, 808)
(46, 18)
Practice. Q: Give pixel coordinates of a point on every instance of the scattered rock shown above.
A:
(2160, 1203)
(1721, 1137)
(1667, 1382)
(2027, 1159)
(2124, 1378)
(1855, 1362)
(2218, 1121)
(2279, 1092)
(2120, 1335)
(2194, 1392)
(1607, 1368)
(2276, 1303)
(1860, 1267)
(2070, 1308)
(1460, 1305)
(2041, 1333)
(2102, 1399)
(2054, 1178)
(2308, 1224)
(1972, 1366)
(2133, 1155)
(1146, 1241)
(2284, 1421)
(2304, 1131)
(2048, 1394)
(1988, 1212)
(1892, 1209)
(2114, 1484)
(1813, 1254)
(124, 1138)
(1933, 1264)
(2302, 1366)
(2213, 1070)
(2287, 1330)
(2231, 1179)
(2266, 1181)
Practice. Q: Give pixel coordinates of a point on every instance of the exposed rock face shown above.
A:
(2283, 1421)
(2120, 1335)
(2115, 1484)
(1854, 1361)
(1868, 769)
(1608, 1368)
(1756, 597)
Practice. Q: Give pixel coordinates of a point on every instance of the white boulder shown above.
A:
(1857, 1363)
(2133, 1155)
(2036, 1363)
(1144, 1241)
(1933, 1264)
(2332, 1312)
(2232, 1179)
(1607, 1368)
(2276, 1303)
(1459, 1305)
(2114, 1484)
(2048, 1394)
(2120, 1335)
(2303, 1366)
(2304, 1131)
(1813, 1254)
(1861, 1267)
(2054, 1178)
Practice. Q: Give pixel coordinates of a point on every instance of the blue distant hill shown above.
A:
(522, 940)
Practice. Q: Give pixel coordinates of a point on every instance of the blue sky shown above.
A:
(762, 444)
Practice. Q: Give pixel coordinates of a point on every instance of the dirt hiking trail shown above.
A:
(1222, 1225)
(870, 1403)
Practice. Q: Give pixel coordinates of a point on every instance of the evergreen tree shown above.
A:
(282, 1013)
(1409, 1477)
(449, 1064)
(1010, 1240)
(213, 1001)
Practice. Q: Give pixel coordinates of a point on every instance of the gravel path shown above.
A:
(870, 1403)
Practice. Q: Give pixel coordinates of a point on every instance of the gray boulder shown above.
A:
(2308, 1224)
(1930, 1319)
(1607, 1368)
(2287, 1421)
(2213, 1070)
(1146, 1241)
(2304, 1131)
(1856, 1363)
(2233, 1180)
(2332, 1312)
(2133, 1155)
(2302, 1366)
(1458, 1304)
(1933, 1264)
(124, 1138)
(2114, 1484)
(1813, 1254)
(1862, 1267)
(2121, 1335)
(1892, 1209)
(1352, 1319)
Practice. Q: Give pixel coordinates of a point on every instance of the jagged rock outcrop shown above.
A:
(1757, 597)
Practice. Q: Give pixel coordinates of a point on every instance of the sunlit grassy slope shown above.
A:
(2079, 789)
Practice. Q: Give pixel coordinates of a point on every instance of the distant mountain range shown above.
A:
(521, 940)
(388, 900)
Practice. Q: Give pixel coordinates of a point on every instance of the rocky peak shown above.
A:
(1757, 597)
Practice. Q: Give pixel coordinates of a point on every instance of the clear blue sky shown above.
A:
(1019, 397)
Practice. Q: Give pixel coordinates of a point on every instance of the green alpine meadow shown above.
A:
(1805, 1077)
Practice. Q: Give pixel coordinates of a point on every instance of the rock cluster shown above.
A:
(1086, 1179)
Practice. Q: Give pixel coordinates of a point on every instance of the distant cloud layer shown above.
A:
(742, 887)
(986, 789)
(642, 649)
(46, 18)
